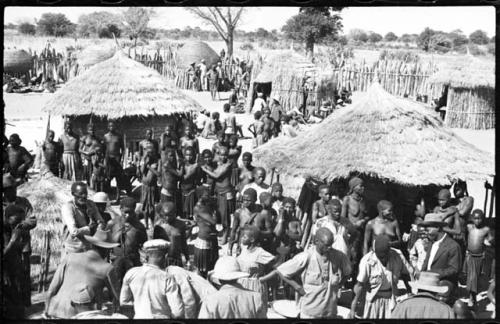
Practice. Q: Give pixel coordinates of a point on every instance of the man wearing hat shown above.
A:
(231, 300)
(444, 256)
(425, 304)
(10, 198)
(276, 109)
(84, 301)
(89, 268)
(154, 293)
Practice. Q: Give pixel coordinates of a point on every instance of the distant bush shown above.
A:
(27, 29)
(246, 47)
(476, 50)
(491, 48)
(401, 55)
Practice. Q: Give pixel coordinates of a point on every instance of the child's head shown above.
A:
(324, 193)
(277, 190)
(334, 208)
(188, 131)
(477, 217)
(207, 155)
(257, 115)
(249, 198)
(50, 136)
(189, 154)
(460, 189)
(221, 136)
(226, 107)
(259, 175)
(223, 153)
(384, 208)
(233, 141)
(265, 199)
(444, 197)
(170, 155)
(246, 158)
(215, 115)
(14, 215)
(293, 230)
(249, 235)
(289, 205)
(167, 211)
(127, 207)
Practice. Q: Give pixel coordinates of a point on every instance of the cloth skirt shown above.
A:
(254, 284)
(473, 267)
(378, 308)
(148, 198)
(235, 176)
(226, 207)
(71, 167)
(206, 253)
(188, 203)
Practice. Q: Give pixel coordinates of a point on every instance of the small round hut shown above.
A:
(469, 87)
(17, 62)
(194, 52)
(283, 76)
(400, 147)
(120, 89)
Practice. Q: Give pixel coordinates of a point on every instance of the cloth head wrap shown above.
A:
(353, 183)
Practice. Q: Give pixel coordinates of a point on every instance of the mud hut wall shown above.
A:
(472, 108)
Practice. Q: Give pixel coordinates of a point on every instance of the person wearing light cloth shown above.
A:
(425, 304)
(154, 293)
(71, 156)
(231, 300)
(84, 301)
(378, 276)
(259, 103)
(323, 271)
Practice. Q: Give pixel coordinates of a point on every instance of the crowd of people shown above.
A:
(210, 238)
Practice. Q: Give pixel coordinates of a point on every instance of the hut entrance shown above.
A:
(265, 88)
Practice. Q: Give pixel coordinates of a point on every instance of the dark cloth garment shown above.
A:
(115, 170)
(171, 261)
(235, 176)
(148, 198)
(308, 195)
(54, 168)
(422, 305)
(474, 268)
(205, 259)
(226, 207)
(447, 262)
(26, 278)
(121, 265)
(189, 200)
(13, 285)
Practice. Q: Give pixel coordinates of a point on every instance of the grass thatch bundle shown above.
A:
(119, 87)
(468, 72)
(95, 54)
(194, 52)
(47, 194)
(16, 61)
(381, 136)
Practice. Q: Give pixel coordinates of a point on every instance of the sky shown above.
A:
(400, 20)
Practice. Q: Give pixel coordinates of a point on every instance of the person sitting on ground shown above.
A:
(424, 304)
(84, 302)
(233, 98)
(231, 301)
(52, 153)
(19, 159)
(154, 293)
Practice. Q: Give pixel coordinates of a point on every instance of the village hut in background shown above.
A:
(135, 96)
(16, 62)
(469, 87)
(398, 146)
(194, 52)
(283, 75)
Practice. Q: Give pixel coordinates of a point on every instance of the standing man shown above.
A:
(71, 155)
(246, 215)
(383, 224)
(115, 149)
(51, 153)
(87, 150)
(18, 159)
(148, 144)
(258, 184)
(154, 293)
(27, 223)
(203, 75)
(80, 217)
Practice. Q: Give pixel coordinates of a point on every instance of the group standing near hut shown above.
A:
(375, 232)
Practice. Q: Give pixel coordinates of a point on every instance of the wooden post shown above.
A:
(492, 200)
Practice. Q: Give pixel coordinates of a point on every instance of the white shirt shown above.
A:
(258, 104)
(433, 251)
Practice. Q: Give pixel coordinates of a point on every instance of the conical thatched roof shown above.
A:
(119, 87)
(381, 136)
(195, 52)
(467, 72)
(287, 62)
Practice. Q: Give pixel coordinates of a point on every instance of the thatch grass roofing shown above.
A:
(381, 136)
(288, 63)
(467, 72)
(16, 61)
(119, 87)
(94, 54)
(194, 52)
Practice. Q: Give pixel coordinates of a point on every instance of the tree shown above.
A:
(492, 39)
(458, 38)
(26, 28)
(358, 35)
(374, 37)
(223, 19)
(99, 24)
(479, 37)
(440, 42)
(313, 25)
(409, 38)
(390, 37)
(136, 20)
(55, 24)
(424, 39)
(262, 33)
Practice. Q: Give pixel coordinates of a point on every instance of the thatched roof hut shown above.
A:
(16, 62)
(387, 139)
(138, 97)
(195, 52)
(283, 75)
(470, 84)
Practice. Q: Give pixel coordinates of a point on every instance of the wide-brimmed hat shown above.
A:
(227, 268)
(276, 98)
(156, 244)
(287, 308)
(429, 281)
(100, 198)
(102, 239)
(434, 220)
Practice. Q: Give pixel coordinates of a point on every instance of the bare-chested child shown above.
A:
(168, 140)
(51, 153)
(246, 215)
(233, 156)
(206, 250)
(319, 206)
(71, 155)
(269, 124)
(99, 181)
(464, 202)
(265, 222)
(189, 140)
(246, 171)
(148, 144)
(150, 174)
(115, 148)
(224, 191)
(257, 130)
(171, 229)
(478, 235)
(383, 224)
(170, 176)
(221, 142)
(277, 194)
(207, 183)
(450, 215)
(189, 181)
(88, 144)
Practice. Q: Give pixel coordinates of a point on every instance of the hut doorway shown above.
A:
(265, 88)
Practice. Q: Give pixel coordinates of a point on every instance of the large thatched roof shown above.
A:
(467, 72)
(287, 62)
(119, 87)
(381, 136)
(194, 52)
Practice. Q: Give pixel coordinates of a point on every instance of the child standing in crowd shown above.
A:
(206, 249)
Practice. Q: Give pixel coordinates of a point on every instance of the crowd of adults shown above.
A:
(210, 238)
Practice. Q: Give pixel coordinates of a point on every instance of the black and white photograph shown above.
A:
(248, 162)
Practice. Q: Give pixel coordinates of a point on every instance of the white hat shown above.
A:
(276, 98)
(100, 198)
(227, 268)
(429, 281)
(286, 308)
(259, 94)
(156, 244)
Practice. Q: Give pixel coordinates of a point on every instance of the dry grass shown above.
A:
(466, 72)
(194, 52)
(381, 136)
(119, 87)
